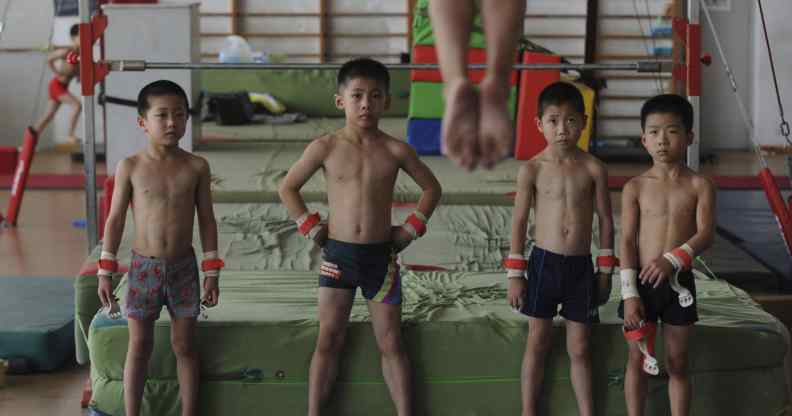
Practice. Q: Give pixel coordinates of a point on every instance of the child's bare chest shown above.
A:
(165, 185)
(351, 164)
(564, 184)
(668, 200)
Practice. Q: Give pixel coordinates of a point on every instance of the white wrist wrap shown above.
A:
(629, 283)
(106, 255)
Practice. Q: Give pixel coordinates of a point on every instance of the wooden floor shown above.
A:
(47, 244)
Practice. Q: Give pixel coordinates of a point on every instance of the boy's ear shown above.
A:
(690, 137)
(387, 102)
(538, 122)
(339, 102)
(141, 122)
(643, 139)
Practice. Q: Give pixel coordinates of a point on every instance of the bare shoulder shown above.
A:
(198, 163)
(634, 185)
(399, 148)
(593, 165)
(527, 171)
(701, 183)
(322, 144)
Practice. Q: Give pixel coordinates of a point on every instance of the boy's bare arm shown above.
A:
(302, 170)
(116, 218)
(603, 207)
(56, 55)
(523, 201)
(633, 307)
(207, 224)
(424, 178)
(705, 217)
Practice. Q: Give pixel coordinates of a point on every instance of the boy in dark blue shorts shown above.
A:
(360, 165)
(565, 186)
(668, 217)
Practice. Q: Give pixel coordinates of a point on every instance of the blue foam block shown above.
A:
(424, 135)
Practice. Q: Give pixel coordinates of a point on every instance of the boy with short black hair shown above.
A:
(565, 186)
(360, 164)
(166, 186)
(668, 218)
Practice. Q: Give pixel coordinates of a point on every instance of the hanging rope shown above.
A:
(784, 125)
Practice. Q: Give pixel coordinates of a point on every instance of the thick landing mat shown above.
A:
(465, 346)
(37, 321)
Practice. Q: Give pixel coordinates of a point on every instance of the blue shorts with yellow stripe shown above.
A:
(372, 267)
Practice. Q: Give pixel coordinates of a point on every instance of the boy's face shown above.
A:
(665, 137)
(363, 101)
(165, 121)
(561, 125)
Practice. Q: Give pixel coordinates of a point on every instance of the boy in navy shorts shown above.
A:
(360, 164)
(565, 186)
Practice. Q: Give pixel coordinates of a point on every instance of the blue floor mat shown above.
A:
(37, 321)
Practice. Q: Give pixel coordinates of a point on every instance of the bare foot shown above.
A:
(460, 123)
(496, 130)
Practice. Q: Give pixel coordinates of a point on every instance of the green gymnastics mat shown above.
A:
(426, 100)
(37, 321)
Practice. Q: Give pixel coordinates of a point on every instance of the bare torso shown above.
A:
(66, 71)
(564, 204)
(164, 202)
(360, 181)
(667, 213)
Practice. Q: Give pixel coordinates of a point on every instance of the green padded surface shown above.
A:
(426, 100)
(461, 337)
(305, 91)
(37, 321)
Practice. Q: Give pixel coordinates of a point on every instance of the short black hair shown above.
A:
(159, 89)
(669, 104)
(363, 68)
(559, 93)
(74, 30)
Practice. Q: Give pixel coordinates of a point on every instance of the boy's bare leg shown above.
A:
(452, 21)
(503, 24)
(635, 381)
(187, 364)
(141, 342)
(386, 320)
(75, 117)
(334, 307)
(43, 122)
(675, 340)
(537, 346)
(578, 336)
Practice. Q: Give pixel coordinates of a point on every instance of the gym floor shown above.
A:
(47, 244)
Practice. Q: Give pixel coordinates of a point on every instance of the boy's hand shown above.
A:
(400, 238)
(106, 290)
(321, 236)
(516, 292)
(656, 272)
(604, 286)
(211, 291)
(633, 313)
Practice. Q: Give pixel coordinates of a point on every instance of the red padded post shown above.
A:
(529, 139)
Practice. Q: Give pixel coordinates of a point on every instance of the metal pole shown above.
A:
(89, 148)
(694, 150)
(139, 65)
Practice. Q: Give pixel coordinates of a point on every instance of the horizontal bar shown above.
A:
(138, 65)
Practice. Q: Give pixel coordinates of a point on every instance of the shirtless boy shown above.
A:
(667, 220)
(58, 88)
(166, 186)
(565, 186)
(360, 164)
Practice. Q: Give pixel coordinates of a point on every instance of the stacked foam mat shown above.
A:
(426, 91)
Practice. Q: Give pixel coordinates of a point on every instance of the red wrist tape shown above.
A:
(515, 264)
(607, 261)
(109, 265)
(309, 223)
(212, 264)
(646, 330)
(684, 257)
(420, 226)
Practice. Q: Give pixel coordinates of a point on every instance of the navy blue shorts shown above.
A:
(555, 279)
(663, 302)
(372, 267)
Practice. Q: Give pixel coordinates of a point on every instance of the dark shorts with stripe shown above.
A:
(555, 279)
(372, 267)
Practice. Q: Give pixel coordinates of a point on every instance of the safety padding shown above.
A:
(424, 135)
(426, 100)
(427, 54)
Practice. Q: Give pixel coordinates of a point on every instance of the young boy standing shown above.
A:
(667, 220)
(165, 185)
(360, 165)
(565, 186)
